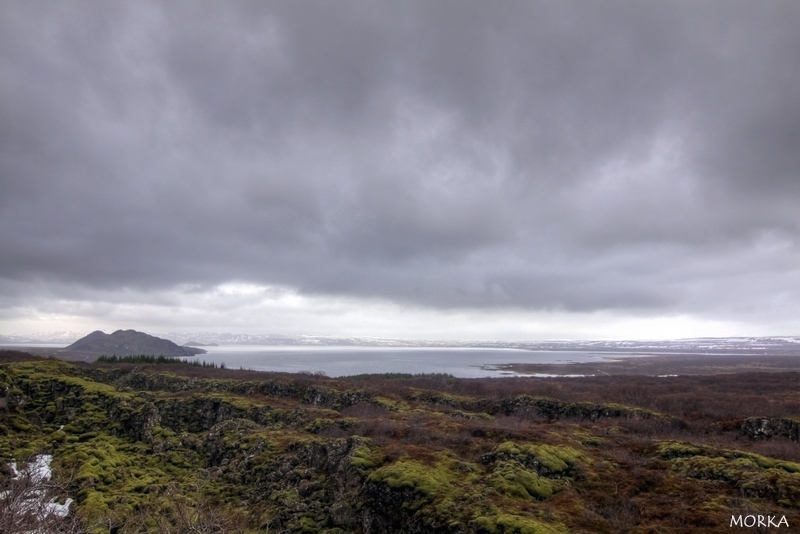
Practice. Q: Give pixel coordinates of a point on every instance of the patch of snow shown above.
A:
(59, 510)
(39, 472)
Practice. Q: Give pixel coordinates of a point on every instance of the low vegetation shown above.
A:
(148, 444)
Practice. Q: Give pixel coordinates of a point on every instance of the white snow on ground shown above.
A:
(40, 474)
(39, 469)
(58, 510)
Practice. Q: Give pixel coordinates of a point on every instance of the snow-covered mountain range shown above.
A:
(776, 344)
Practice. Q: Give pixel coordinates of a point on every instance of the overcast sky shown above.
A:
(431, 169)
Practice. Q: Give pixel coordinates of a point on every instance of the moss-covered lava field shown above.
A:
(176, 448)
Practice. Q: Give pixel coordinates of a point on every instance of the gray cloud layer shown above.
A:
(541, 155)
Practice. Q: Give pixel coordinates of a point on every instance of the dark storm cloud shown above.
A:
(540, 155)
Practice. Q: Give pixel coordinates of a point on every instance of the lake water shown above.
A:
(345, 361)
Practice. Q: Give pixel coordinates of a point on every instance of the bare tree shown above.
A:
(29, 500)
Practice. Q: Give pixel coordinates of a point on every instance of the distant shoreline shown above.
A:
(662, 362)
(661, 365)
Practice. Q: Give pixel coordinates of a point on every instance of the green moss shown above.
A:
(421, 478)
(391, 405)
(508, 447)
(364, 458)
(120, 472)
(790, 467)
(754, 474)
(513, 480)
(20, 424)
(587, 438)
(97, 388)
(671, 450)
(556, 460)
(447, 489)
(93, 507)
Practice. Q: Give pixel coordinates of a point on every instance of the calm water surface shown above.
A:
(344, 361)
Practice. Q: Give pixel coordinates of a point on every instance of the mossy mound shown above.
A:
(753, 474)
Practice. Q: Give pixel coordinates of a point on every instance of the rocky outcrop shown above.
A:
(311, 481)
(390, 512)
(316, 395)
(768, 427)
(554, 409)
(331, 398)
(90, 407)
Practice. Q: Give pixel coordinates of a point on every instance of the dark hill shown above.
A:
(130, 343)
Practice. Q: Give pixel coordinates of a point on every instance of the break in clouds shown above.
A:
(640, 158)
